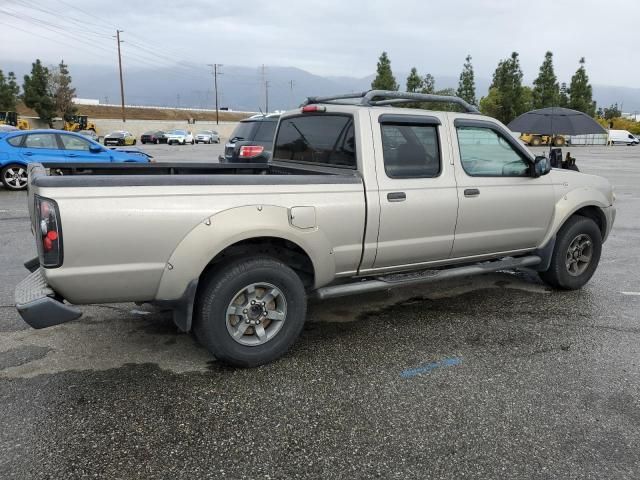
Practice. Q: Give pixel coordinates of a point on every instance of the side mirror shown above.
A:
(95, 149)
(541, 166)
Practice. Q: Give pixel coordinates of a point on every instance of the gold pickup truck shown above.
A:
(358, 196)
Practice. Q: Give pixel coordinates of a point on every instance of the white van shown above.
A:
(619, 137)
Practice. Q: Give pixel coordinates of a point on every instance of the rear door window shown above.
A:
(317, 139)
(410, 151)
(41, 140)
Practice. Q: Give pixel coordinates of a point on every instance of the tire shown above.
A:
(558, 142)
(535, 141)
(193, 142)
(134, 142)
(156, 141)
(230, 283)
(566, 271)
(143, 142)
(14, 176)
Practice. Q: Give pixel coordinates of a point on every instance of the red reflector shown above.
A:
(47, 244)
(248, 151)
(313, 108)
(52, 235)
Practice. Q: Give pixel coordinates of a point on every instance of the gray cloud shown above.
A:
(332, 37)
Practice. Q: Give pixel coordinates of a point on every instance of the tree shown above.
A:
(580, 92)
(546, 91)
(563, 99)
(466, 85)
(492, 103)
(384, 79)
(428, 84)
(414, 81)
(609, 113)
(37, 93)
(9, 91)
(507, 80)
(62, 92)
(445, 106)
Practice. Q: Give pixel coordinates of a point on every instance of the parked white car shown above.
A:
(181, 137)
(622, 137)
(208, 136)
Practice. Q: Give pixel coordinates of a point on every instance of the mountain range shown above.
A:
(243, 88)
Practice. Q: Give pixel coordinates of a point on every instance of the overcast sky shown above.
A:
(331, 37)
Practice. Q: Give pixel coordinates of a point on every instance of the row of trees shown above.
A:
(507, 97)
(47, 90)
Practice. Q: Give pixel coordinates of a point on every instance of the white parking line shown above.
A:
(635, 294)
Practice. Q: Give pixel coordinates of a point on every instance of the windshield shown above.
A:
(242, 131)
(265, 131)
(177, 132)
(204, 132)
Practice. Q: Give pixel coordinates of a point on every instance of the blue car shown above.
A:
(19, 148)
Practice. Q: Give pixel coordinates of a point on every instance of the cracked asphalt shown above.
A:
(485, 378)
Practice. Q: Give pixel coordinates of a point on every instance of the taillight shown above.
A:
(48, 232)
(313, 109)
(249, 151)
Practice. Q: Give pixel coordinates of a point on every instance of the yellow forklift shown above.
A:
(11, 118)
(78, 123)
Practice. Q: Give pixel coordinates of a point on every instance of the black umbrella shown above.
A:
(555, 120)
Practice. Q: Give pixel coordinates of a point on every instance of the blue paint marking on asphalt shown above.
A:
(446, 362)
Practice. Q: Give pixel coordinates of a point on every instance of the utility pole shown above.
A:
(124, 119)
(291, 85)
(265, 86)
(216, 72)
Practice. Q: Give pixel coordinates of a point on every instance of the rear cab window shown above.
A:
(318, 139)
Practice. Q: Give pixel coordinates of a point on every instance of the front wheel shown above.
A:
(250, 311)
(576, 254)
(14, 177)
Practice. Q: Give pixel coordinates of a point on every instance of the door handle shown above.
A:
(471, 192)
(28, 154)
(396, 196)
(72, 154)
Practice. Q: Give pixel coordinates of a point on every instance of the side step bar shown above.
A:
(402, 280)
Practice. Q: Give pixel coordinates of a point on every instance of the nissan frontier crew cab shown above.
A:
(359, 195)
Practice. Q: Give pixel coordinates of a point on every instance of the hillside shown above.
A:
(141, 113)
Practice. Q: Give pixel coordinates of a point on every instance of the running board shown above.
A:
(424, 276)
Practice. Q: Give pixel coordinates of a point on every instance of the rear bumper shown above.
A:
(37, 304)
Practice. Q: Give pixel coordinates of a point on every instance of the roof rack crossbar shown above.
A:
(389, 97)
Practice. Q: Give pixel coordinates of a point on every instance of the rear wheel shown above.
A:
(576, 254)
(558, 141)
(250, 311)
(535, 141)
(14, 177)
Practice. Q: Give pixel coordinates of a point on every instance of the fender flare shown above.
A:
(228, 227)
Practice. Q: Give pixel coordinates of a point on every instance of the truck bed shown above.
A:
(164, 174)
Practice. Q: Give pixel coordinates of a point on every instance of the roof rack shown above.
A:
(374, 98)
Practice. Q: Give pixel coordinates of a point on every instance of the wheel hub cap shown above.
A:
(256, 314)
(579, 255)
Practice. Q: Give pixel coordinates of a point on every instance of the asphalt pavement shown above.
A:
(484, 378)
